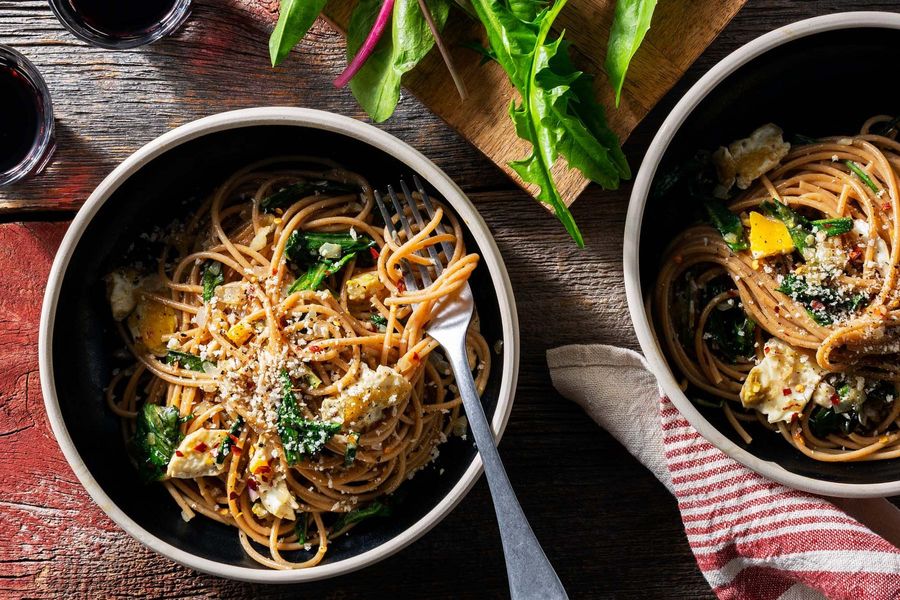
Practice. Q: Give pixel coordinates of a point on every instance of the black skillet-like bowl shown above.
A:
(819, 77)
(164, 180)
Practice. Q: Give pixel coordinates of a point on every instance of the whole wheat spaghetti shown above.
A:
(283, 382)
(785, 312)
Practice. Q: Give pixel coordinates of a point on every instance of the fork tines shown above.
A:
(406, 209)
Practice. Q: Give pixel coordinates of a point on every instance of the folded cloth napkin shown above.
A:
(754, 539)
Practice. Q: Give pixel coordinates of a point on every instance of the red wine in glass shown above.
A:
(121, 24)
(26, 118)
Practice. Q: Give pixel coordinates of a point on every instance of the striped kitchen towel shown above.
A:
(754, 539)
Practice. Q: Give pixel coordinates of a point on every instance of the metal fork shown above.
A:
(530, 573)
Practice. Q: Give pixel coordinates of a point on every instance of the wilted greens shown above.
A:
(155, 439)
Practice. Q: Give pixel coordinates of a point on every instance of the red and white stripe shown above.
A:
(755, 539)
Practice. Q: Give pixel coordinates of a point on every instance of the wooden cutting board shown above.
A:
(679, 34)
(681, 30)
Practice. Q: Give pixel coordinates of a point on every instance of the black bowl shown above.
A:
(166, 180)
(827, 82)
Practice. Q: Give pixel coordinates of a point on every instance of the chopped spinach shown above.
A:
(352, 446)
(305, 249)
(316, 274)
(302, 528)
(189, 361)
(728, 224)
(833, 227)
(300, 437)
(822, 303)
(376, 509)
(290, 194)
(378, 320)
(155, 439)
(211, 279)
(731, 333)
(824, 421)
(863, 176)
(228, 442)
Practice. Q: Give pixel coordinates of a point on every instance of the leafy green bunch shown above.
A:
(557, 111)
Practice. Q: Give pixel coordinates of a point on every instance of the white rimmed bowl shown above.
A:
(77, 341)
(821, 76)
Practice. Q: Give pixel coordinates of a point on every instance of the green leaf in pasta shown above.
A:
(630, 24)
(377, 84)
(155, 438)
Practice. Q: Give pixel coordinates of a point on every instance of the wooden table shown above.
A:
(609, 527)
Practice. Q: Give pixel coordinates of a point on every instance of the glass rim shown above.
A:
(172, 21)
(41, 151)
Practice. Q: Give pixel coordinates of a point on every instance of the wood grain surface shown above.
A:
(609, 527)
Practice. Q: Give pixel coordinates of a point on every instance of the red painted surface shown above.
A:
(56, 542)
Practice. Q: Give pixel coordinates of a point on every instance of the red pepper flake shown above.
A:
(835, 399)
(886, 206)
(777, 309)
(201, 447)
(856, 253)
(401, 286)
(766, 350)
(179, 453)
(786, 391)
(233, 495)
(795, 417)
(315, 349)
(234, 439)
(237, 450)
(263, 469)
(251, 483)
(375, 254)
(416, 357)
(817, 305)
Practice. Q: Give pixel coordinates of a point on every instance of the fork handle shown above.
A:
(530, 573)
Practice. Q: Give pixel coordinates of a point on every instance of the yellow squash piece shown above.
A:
(239, 333)
(768, 237)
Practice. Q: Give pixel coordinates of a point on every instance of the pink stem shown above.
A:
(368, 46)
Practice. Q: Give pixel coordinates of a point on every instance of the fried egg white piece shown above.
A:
(198, 455)
(745, 160)
(364, 402)
(274, 494)
(783, 382)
